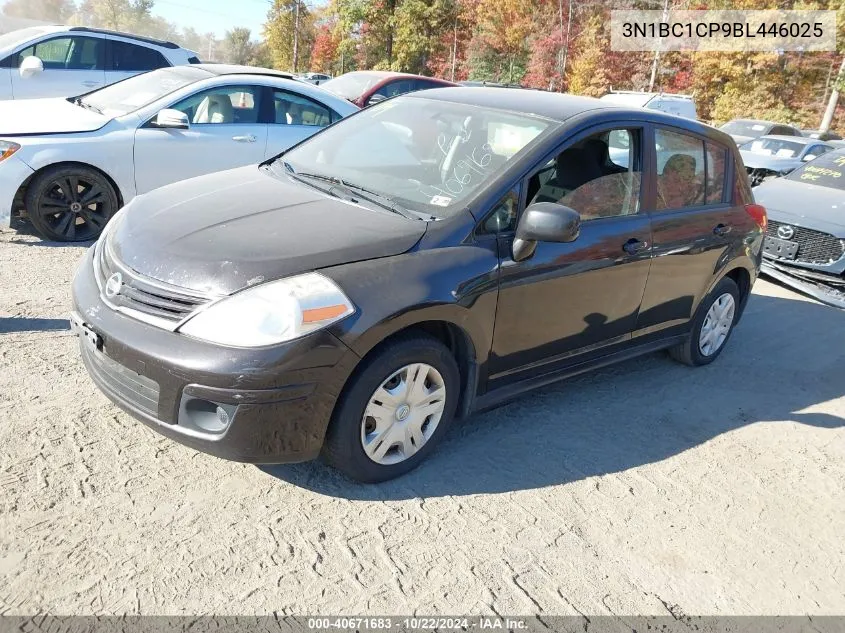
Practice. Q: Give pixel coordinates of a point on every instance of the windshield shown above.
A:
(426, 155)
(774, 147)
(130, 94)
(746, 128)
(11, 40)
(352, 85)
(827, 170)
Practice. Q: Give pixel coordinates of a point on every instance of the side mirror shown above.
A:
(31, 66)
(808, 157)
(171, 119)
(375, 99)
(545, 222)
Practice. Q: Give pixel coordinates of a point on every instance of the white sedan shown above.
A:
(70, 164)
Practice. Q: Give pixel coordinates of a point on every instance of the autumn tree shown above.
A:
(502, 29)
(588, 74)
(325, 49)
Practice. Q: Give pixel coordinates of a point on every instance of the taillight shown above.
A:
(758, 214)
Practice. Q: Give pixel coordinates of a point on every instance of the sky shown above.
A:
(217, 16)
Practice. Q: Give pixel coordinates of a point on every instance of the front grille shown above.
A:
(142, 295)
(120, 382)
(814, 247)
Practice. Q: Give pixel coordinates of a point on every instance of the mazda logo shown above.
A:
(113, 285)
(785, 232)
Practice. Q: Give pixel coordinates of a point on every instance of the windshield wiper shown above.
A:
(375, 197)
(87, 106)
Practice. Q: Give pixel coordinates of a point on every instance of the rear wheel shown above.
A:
(395, 409)
(71, 203)
(712, 326)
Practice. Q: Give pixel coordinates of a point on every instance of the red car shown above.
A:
(366, 87)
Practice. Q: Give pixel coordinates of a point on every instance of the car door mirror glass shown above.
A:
(30, 66)
(545, 222)
(376, 98)
(171, 119)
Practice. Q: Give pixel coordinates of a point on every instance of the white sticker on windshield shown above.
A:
(757, 127)
(441, 201)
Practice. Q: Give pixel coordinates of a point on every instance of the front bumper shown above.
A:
(277, 401)
(806, 281)
(13, 172)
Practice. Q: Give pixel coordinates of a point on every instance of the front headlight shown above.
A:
(7, 148)
(271, 313)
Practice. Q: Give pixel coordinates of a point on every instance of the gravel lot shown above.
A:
(646, 488)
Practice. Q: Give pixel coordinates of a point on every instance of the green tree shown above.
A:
(238, 47)
(47, 10)
(289, 33)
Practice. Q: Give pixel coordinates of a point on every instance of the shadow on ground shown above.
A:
(26, 324)
(25, 233)
(786, 356)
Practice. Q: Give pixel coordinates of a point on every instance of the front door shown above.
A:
(570, 300)
(225, 132)
(73, 65)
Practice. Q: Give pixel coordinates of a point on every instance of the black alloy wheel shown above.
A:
(70, 204)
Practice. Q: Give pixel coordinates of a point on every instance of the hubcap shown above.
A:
(717, 324)
(74, 208)
(403, 413)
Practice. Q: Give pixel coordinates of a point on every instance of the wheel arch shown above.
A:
(22, 189)
(455, 337)
(743, 273)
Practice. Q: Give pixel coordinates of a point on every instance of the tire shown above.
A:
(690, 352)
(349, 429)
(56, 203)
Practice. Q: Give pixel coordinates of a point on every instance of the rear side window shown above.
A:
(716, 156)
(680, 170)
(690, 171)
(292, 109)
(130, 57)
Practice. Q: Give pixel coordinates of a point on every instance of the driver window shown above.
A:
(598, 176)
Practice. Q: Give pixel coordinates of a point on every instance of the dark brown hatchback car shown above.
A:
(425, 258)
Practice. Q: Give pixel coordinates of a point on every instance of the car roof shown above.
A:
(760, 121)
(234, 69)
(130, 36)
(552, 105)
(804, 140)
(390, 74)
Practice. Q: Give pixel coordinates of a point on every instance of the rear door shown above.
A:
(293, 118)
(225, 132)
(73, 65)
(125, 58)
(694, 226)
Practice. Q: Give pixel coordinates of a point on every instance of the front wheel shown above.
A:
(70, 203)
(712, 326)
(396, 408)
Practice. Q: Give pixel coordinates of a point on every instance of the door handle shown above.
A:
(721, 229)
(90, 83)
(246, 138)
(634, 246)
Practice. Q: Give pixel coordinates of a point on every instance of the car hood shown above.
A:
(762, 161)
(46, 116)
(225, 231)
(803, 204)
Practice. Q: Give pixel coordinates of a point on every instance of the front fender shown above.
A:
(457, 285)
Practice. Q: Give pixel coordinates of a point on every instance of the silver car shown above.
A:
(774, 156)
